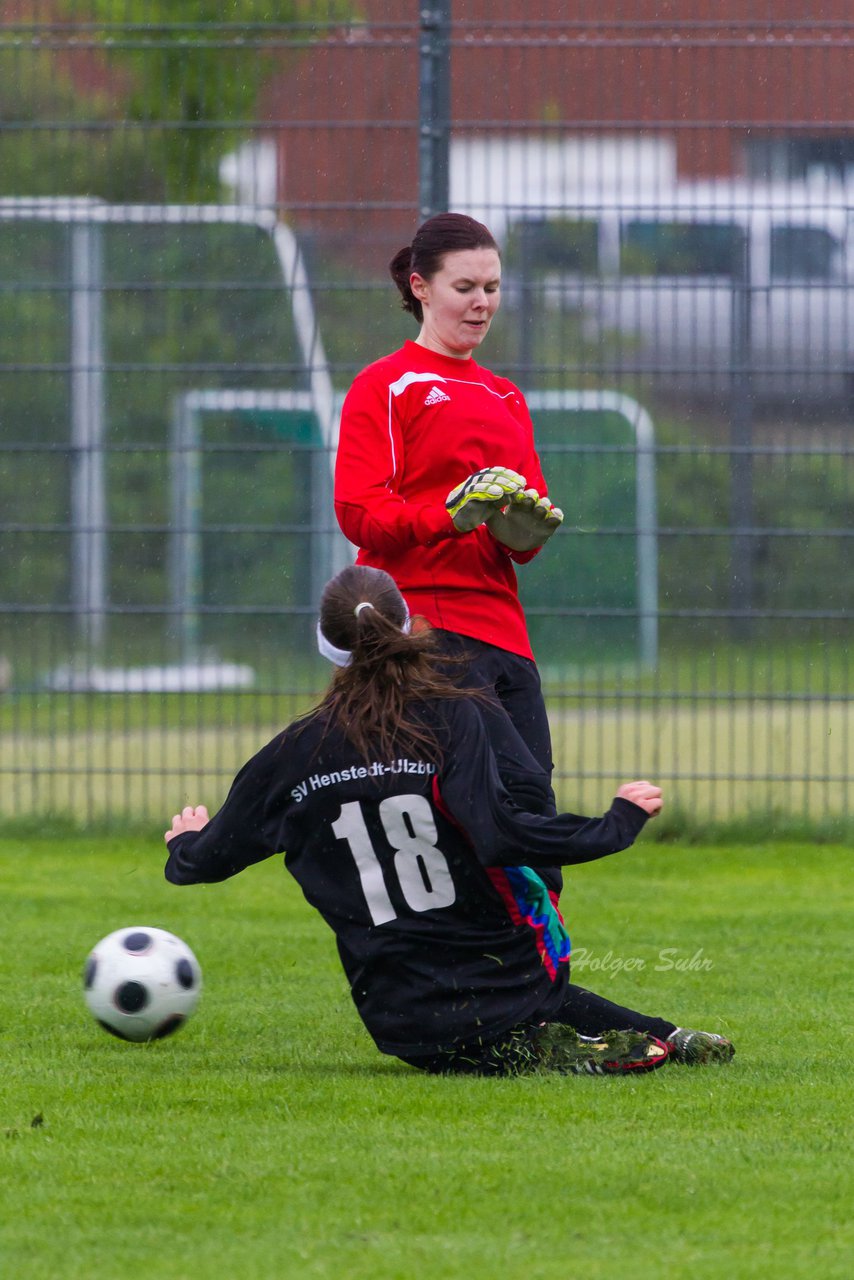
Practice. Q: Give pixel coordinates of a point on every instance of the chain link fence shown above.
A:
(195, 221)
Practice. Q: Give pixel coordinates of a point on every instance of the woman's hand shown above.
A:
(644, 794)
(189, 819)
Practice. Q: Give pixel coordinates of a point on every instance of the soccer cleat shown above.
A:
(613, 1053)
(699, 1047)
(612, 1057)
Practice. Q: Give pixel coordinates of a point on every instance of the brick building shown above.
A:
(655, 90)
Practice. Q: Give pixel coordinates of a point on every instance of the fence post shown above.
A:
(88, 501)
(434, 124)
(185, 541)
(741, 441)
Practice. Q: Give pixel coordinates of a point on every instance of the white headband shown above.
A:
(343, 657)
(326, 649)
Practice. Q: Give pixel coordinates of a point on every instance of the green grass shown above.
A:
(269, 1139)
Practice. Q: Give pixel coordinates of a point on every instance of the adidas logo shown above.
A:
(436, 396)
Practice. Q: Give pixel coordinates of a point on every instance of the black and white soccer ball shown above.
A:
(141, 983)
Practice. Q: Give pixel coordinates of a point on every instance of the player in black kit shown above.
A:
(389, 807)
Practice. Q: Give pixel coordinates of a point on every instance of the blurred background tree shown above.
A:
(149, 98)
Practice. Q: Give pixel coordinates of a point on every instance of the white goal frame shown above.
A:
(646, 504)
(85, 217)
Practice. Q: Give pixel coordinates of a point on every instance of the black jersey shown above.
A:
(427, 874)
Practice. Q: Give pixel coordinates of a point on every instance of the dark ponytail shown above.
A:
(400, 269)
(442, 234)
(374, 699)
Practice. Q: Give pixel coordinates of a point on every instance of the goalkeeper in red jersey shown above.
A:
(438, 482)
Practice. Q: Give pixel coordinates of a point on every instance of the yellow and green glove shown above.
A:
(526, 522)
(482, 495)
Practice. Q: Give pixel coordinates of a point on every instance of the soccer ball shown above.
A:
(141, 983)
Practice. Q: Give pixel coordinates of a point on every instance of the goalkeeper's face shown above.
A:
(459, 301)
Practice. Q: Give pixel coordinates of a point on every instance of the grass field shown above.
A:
(269, 1140)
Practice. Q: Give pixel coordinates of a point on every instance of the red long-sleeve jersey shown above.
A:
(414, 425)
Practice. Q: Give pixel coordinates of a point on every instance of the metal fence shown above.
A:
(195, 222)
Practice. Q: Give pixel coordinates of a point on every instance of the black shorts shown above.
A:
(517, 724)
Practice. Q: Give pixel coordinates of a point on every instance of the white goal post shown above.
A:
(85, 217)
(329, 549)
(642, 429)
(331, 552)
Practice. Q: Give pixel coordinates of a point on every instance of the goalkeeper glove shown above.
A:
(485, 492)
(527, 522)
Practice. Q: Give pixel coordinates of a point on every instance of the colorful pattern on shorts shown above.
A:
(527, 900)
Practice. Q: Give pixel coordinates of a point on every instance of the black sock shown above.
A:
(591, 1015)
